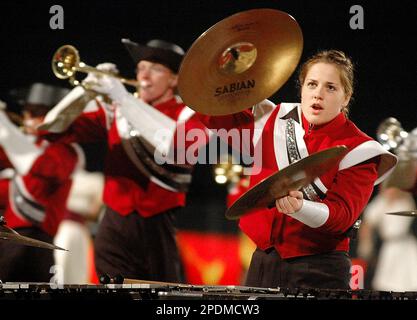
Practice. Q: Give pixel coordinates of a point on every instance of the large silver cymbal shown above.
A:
(293, 177)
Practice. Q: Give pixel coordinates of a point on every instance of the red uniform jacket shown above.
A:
(345, 189)
(126, 188)
(39, 198)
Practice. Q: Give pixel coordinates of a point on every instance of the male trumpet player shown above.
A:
(136, 238)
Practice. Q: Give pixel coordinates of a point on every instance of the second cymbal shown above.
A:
(293, 177)
(11, 235)
(240, 61)
(412, 213)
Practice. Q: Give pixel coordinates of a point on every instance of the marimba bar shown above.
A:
(154, 291)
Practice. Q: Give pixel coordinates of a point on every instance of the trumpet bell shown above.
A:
(64, 62)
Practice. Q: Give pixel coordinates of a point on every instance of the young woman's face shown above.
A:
(322, 94)
(157, 82)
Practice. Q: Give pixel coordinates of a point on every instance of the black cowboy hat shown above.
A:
(39, 93)
(160, 51)
(38, 98)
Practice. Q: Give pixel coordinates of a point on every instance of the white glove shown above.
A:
(111, 87)
(106, 66)
(104, 84)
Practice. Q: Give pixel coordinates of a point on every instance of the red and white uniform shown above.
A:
(127, 188)
(6, 173)
(344, 190)
(4, 193)
(39, 197)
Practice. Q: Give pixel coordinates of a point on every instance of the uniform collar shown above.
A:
(330, 126)
(166, 104)
(171, 107)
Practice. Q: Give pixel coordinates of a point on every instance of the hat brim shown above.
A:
(140, 52)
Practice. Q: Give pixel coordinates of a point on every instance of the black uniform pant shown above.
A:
(20, 263)
(323, 271)
(136, 247)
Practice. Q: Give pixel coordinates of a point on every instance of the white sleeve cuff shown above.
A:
(313, 214)
(20, 150)
(60, 117)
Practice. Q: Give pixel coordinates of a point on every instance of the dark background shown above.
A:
(384, 53)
